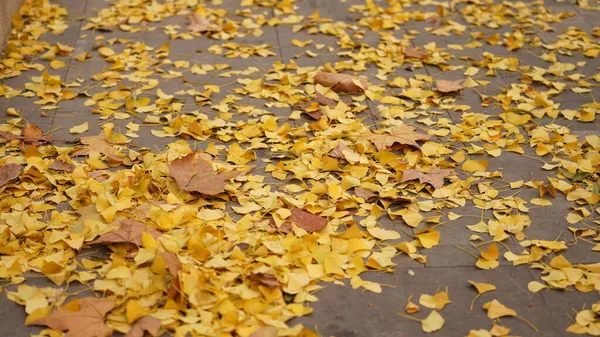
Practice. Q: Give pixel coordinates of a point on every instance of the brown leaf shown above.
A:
(173, 267)
(435, 177)
(61, 165)
(323, 100)
(147, 324)
(307, 221)
(338, 151)
(449, 86)
(342, 82)
(30, 134)
(88, 321)
(200, 24)
(265, 279)
(196, 174)
(9, 172)
(32, 131)
(402, 134)
(129, 231)
(96, 143)
(366, 194)
(411, 52)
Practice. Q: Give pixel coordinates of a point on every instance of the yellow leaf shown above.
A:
(79, 128)
(475, 165)
(433, 322)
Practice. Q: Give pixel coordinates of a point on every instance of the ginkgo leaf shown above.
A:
(9, 172)
(428, 237)
(481, 288)
(341, 82)
(194, 174)
(435, 177)
(83, 318)
(307, 221)
(433, 322)
(437, 301)
(146, 324)
(79, 128)
(449, 86)
(495, 309)
(411, 307)
(129, 231)
(403, 134)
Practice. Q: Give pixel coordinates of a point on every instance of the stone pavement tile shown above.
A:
(375, 315)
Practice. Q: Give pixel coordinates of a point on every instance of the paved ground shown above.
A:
(341, 311)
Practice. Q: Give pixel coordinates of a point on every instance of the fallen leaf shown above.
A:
(411, 307)
(199, 24)
(433, 322)
(342, 82)
(435, 176)
(449, 86)
(9, 172)
(495, 309)
(77, 129)
(147, 324)
(265, 279)
(403, 134)
(265, 331)
(437, 301)
(129, 231)
(86, 321)
(194, 174)
(60, 165)
(307, 221)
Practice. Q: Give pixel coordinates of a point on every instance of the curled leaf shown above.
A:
(342, 82)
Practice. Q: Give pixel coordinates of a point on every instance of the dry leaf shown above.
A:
(307, 221)
(449, 86)
(199, 24)
(265, 331)
(60, 165)
(9, 172)
(147, 324)
(30, 134)
(83, 318)
(194, 174)
(435, 176)
(342, 82)
(129, 231)
(265, 279)
(403, 134)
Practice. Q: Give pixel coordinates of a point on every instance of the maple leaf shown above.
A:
(87, 321)
(129, 231)
(402, 134)
(148, 324)
(307, 221)
(449, 86)
(9, 172)
(195, 174)
(435, 177)
(342, 82)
